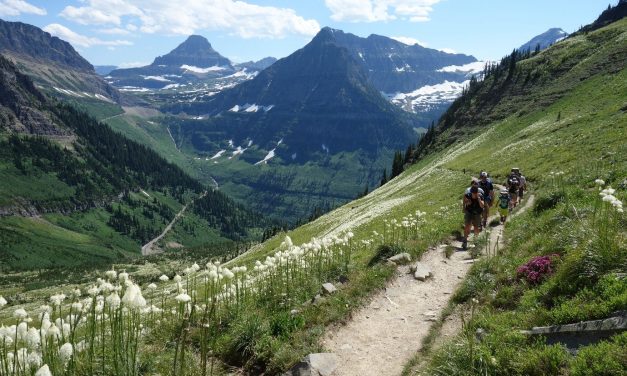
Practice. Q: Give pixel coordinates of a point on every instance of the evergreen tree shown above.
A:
(384, 178)
(397, 165)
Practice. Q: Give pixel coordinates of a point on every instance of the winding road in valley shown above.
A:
(149, 248)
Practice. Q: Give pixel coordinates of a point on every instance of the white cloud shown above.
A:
(188, 16)
(380, 10)
(409, 41)
(447, 50)
(81, 40)
(17, 7)
(133, 64)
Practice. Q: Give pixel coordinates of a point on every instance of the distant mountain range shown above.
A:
(53, 63)
(544, 40)
(104, 70)
(192, 62)
(392, 66)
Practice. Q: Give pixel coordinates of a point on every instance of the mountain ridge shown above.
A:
(53, 63)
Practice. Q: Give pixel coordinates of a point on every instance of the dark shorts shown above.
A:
(470, 218)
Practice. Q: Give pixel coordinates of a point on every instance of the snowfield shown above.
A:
(428, 96)
(194, 69)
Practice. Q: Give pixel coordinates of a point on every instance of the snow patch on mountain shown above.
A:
(82, 94)
(269, 156)
(218, 154)
(469, 69)
(428, 96)
(238, 151)
(251, 108)
(194, 69)
(156, 78)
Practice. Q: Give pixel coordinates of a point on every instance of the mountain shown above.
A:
(192, 69)
(392, 66)
(72, 190)
(104, 70)
(544, 40)
(193, 60)
(258, 65)
(53, 63)
(418, 79)
(308, 131)
(195, 51)
(317, 96)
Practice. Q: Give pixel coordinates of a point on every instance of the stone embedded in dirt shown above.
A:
(320, 364)
(294, 312)
(430, 313)
(421, 271)
(328, 288)
(401, 258)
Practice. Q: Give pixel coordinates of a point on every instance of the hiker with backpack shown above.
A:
(474, 183)
(486, 185)
(504, 202)
(473, 207)
(523, 187)
(513, 187)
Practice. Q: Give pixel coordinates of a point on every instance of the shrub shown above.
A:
(537, 269)
(544, 360)
(602, 359)
(549, 201)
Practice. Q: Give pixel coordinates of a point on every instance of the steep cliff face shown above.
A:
(52, 63)
(20, 109)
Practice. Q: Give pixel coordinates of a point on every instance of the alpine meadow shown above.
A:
(362, 204)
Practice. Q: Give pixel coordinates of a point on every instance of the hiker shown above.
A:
(486, 185)
(504, 200)
(513, 187)
(474, 183)
(473, 207)
(523, 187)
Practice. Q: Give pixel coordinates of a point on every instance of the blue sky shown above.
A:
(133, 32)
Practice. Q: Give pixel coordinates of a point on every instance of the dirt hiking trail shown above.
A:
(386, 333)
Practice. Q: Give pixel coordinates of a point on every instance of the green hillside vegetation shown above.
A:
(564, 132)
(73, 191)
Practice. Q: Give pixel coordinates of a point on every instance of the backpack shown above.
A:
(504, 201)
(514, 185)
